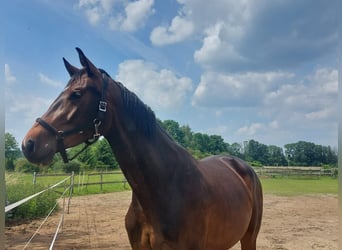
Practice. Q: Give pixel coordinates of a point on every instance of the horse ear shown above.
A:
(71, 69)
(88, 65)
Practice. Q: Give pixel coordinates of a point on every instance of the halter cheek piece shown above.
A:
(60, 134)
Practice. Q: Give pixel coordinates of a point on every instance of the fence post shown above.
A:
(63, 209)
(71, 189)
(34, 181)
(82, 185)
(79, 181)
(101, 181)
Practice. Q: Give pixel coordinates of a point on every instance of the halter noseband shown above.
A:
(60, 134)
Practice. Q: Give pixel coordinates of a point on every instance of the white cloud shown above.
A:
(222, 22)
(278, 105)
(314, 98)
(219, 130)
(236, 90)
(37, 106)
(192, 19)
(325, 81)
(179, 30)
(323, 113)
(9, 77)
(28, 113)
(246, 35)
(257, 128)
(251, 130)
(160, 89)
(215, 50)
(136, 13)
(277, 95)
(274, 124)
(93, 15)
(95, 9)
(46, 80)
(117, 14)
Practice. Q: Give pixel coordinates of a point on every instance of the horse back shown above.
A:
(228, 170)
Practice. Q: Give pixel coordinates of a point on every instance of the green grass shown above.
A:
(80, 189)
(277, 186)
(299, 186)
(46, 181)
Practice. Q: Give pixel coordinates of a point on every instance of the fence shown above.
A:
(101, 182)
(289, 171)
(80, 184)
(63, 196)
(84, 179)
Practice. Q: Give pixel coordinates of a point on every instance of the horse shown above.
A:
(178, 202)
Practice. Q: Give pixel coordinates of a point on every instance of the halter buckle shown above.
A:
(103, 106)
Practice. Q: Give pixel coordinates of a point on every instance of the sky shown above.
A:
(261, 70)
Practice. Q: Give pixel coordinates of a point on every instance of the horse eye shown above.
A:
(75, 95)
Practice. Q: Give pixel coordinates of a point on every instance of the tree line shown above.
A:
(200, 145)
(300, 153)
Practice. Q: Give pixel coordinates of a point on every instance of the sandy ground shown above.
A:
(97, 222)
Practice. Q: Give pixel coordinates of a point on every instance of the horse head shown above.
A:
(77, 115)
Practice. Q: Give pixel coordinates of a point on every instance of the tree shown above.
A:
(72, 166)
(326, 155)
(98, 154)
(236, 150)
(200, 142)
(105, 154)
(256, 151)
(23, 165)
(187, 135)
(88, 157)
(12, 151)
(309, 154)
(217, 145)
(330, 156)
(173, 129)
(275, 156)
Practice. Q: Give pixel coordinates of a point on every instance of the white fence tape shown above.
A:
(18, 203)
(46, 218)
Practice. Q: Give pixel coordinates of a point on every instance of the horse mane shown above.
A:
(142, 115)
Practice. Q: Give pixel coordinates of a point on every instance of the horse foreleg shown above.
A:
(137, 228)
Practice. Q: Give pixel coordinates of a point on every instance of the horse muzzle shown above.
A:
(36, 151)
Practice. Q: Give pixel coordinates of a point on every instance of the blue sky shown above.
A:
(262, 70)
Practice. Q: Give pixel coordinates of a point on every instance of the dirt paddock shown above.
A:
(97, 222)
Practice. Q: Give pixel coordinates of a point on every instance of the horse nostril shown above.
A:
(30, 146)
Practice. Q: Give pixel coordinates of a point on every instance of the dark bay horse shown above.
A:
(178, 202)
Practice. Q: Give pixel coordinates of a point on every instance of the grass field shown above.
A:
(79, 189)
(277, 186)
(292, 186)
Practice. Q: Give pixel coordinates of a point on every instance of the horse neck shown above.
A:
(151, 163)
(154, 165)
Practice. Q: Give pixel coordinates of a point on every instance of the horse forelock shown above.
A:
(75, 77)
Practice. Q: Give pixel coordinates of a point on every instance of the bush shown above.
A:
(9, 164)
(24, 166)
(72, 166)
(257, 164)
(35, 208)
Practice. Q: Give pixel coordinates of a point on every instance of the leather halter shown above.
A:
(97, 121)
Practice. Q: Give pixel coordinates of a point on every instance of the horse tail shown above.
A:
(249, 239)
